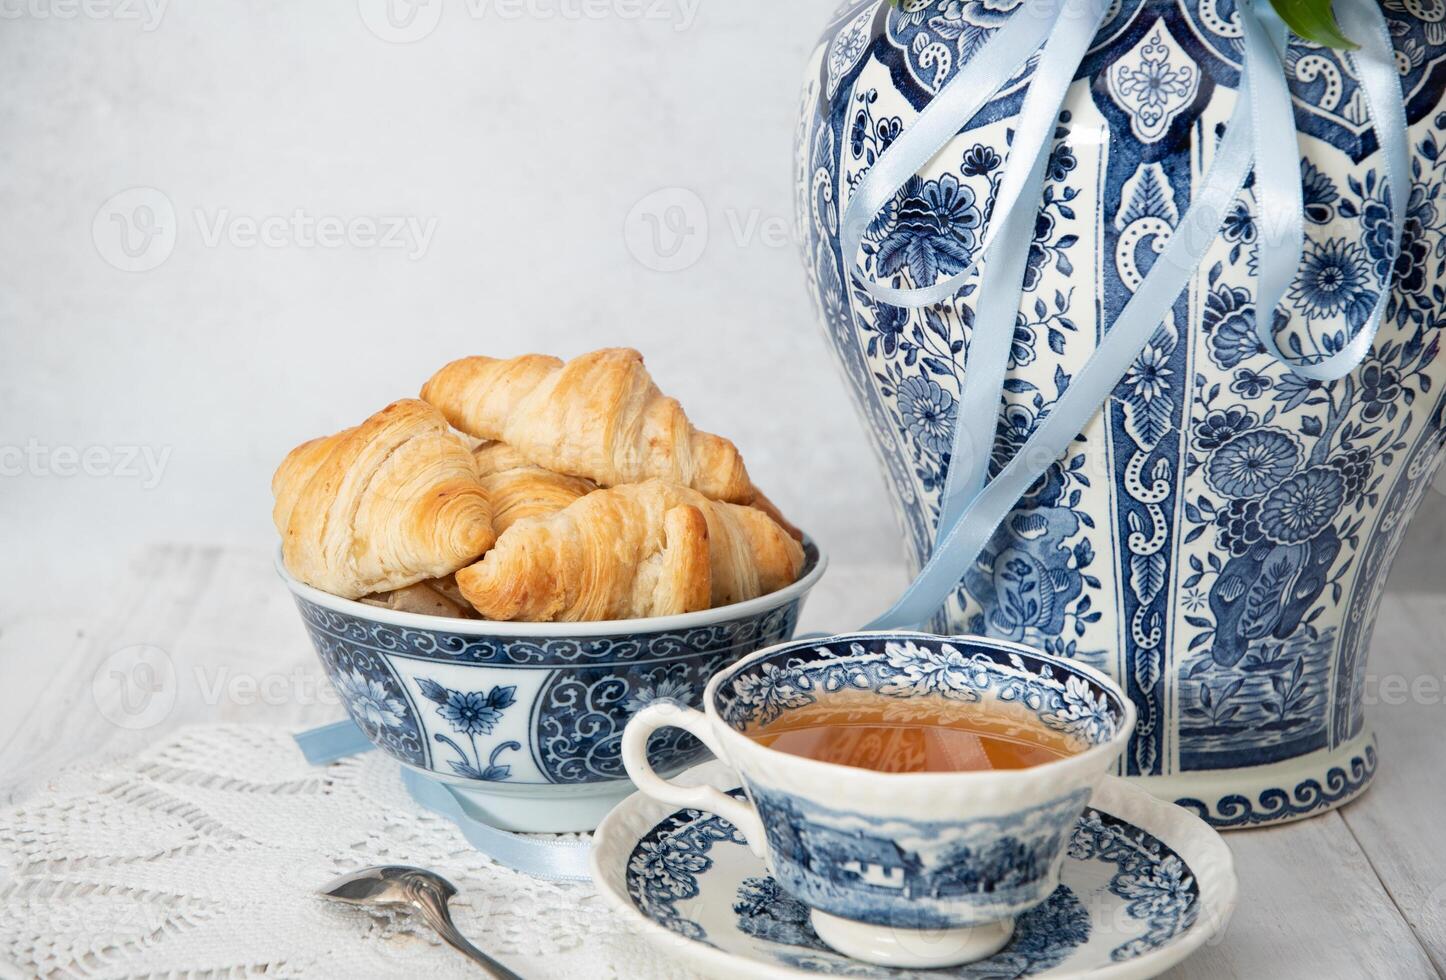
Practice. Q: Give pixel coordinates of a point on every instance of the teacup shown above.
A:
(911, 869)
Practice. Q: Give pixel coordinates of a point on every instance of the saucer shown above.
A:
(1145, 883)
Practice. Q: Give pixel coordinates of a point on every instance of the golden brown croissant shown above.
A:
(598, 416)
(613, 554)
(768, 507)
(375, 508)
(751, 553)
(518, 489)
(647, 549)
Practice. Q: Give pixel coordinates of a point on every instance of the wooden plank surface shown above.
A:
(1401, 822)
(1310, 906)
(219, 618)
(1359, 893)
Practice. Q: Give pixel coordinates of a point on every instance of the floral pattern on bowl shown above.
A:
(531, 708)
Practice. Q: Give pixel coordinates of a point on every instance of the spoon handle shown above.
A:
(440, 919)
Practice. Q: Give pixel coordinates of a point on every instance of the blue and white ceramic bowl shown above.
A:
(526, 719)
(939, 863)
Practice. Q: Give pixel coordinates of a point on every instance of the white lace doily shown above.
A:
(198, 858)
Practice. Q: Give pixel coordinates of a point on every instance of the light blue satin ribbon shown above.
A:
(557, 860)
(1065, 27)
(324, 745)
(1277, 180)
(1261, 131)
(977, 417)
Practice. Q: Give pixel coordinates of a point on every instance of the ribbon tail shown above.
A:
(556, 860)
(1089, 389)
(1375, 67)
(332, 742)
(987, 363)
(1278, 191)
(961, 98)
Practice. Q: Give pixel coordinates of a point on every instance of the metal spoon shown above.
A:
(397, 886)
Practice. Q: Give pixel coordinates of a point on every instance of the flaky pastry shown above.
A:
(598, 416)
(637, 550)
(378, 507)
(518, 488)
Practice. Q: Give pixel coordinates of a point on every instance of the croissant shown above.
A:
(518, 489)
(598, 416)
(751, 554)
(613, 554)
(433, 597)
(381, 506)
(647, 549)
(768, 507)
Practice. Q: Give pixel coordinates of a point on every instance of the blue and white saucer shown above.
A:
(1144, 885)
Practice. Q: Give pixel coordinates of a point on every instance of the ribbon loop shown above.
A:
(1278, 192)
(1374, 65)
(959, 101)
(1261, 131)
(1086, 392)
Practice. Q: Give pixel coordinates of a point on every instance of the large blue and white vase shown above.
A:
(1219, 535)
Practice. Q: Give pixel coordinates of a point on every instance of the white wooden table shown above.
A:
(1356, 893)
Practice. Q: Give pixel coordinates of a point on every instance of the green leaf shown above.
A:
(1314, 20)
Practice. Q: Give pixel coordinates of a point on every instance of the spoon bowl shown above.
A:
(393, 886)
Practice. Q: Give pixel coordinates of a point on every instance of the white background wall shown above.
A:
(524, 133)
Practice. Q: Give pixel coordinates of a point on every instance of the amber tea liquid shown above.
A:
(920, 734)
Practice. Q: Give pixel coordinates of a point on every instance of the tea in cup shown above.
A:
(916, 792)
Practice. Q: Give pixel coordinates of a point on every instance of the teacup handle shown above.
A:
(661, 714)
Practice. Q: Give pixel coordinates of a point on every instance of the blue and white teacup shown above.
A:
(915, 869)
